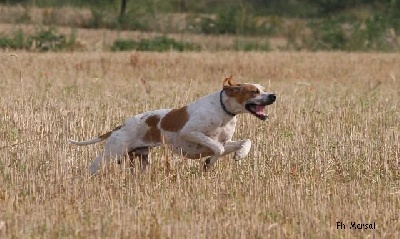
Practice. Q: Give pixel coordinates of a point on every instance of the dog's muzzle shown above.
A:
(257, 106)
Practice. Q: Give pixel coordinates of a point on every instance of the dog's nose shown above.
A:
(272, 97)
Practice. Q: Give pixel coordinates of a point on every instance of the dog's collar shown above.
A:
(223, 106)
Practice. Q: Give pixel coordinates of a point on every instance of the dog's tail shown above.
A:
(94, 140)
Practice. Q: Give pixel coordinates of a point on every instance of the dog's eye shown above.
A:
(255, 92)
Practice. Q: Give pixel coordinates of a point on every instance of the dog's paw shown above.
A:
(206, 164)
(243, 151)
(209, 162)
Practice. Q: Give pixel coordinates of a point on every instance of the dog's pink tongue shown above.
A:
(260, 109)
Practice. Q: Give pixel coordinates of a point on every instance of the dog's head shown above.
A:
(248, 97)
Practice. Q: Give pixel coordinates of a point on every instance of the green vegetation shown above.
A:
(160, 43)
(374, 34)
(283, 8)
(242, 45)
(43, 40)
(358, 25)
(233, 20)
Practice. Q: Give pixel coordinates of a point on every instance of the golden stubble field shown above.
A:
(329, 152)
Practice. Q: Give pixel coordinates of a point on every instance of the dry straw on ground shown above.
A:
(329, 152)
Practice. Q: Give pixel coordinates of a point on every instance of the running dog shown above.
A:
(203, 128)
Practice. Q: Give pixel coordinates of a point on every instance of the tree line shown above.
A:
(287, 8)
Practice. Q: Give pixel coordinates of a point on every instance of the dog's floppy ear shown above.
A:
(230, 87)
(228, 81)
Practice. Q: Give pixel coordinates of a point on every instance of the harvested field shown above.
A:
(329, 152)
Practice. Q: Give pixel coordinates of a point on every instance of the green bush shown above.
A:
(242, 45)
(369, 36)
(134, 19)
(97, 19)
(227, 21)
(17, 41)
(43, 40)
(50, 40)
(234, 20)
(376, 33)
(327, 34)
(331, 6)
(208, 26)
(160, 43)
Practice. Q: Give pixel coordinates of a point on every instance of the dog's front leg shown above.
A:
(200, 138)
(241, 148)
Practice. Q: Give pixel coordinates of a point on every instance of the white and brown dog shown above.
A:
(204, 128)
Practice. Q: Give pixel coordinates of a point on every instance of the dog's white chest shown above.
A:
(224, 132)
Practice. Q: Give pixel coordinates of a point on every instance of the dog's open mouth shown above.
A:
(257, 110)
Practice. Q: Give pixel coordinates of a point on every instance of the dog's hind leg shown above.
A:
(143, 154)
(113, 151)
(102, 160)
(96, 164)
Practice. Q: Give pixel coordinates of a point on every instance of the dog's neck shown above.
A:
(223, 105)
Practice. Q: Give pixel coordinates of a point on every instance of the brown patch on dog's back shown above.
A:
(106, 135)
(241, 92)
(175, 119)
(153, 133)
